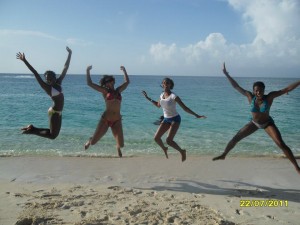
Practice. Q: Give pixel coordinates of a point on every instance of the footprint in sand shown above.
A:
(115, 188)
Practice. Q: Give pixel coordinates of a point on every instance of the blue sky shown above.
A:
(153, 37)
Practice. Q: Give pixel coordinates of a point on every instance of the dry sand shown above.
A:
(148, 190)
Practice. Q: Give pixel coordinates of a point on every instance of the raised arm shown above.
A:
(44, 85)
(283, 91)
(90, 82)
(188, 110)
(123, 86)
(66, 67)
(235, 85)
(151, 100)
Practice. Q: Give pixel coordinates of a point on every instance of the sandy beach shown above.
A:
(148, 190)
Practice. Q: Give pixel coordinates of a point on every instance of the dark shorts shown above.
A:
(175, 119)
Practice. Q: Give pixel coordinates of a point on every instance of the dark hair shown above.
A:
(106, 79)
(51, 73)
(259, 84)
(169, 80)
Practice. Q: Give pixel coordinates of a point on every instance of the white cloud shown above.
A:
(276, 42)
(212, 47)
(273, 20)
(162, 52)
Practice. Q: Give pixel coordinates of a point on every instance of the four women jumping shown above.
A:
(111, 117)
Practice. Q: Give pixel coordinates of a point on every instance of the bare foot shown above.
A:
(221, 157)
(166, 152)
(120, 153)
(27, 129)
(87, 144)
(183, 155)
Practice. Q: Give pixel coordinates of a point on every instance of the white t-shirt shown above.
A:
(168, 105)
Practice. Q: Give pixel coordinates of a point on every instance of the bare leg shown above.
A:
(55, 125)
(274, 133)
(117, 131)
(170, 140)
(162, 129)
(244, 132)
(101, 129)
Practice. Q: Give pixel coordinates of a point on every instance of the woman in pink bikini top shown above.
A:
(111, 117)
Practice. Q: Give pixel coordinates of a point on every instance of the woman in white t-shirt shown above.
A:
(172, 119)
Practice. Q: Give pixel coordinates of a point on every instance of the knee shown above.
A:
(169, 140)
(53, 136)
(156, 139)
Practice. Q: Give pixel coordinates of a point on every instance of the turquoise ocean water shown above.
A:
(23, 102)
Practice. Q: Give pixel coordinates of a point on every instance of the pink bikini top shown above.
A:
(112, 96)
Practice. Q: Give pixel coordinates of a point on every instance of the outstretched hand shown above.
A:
(122, 68)
(204, 117)
(21, 56)
(89, 68)
(69, 50)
